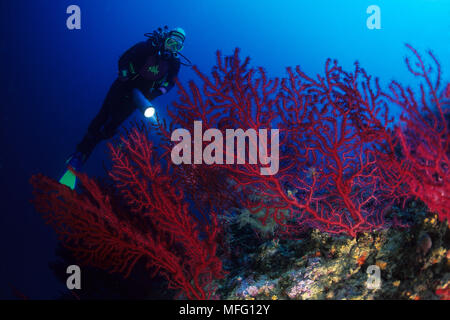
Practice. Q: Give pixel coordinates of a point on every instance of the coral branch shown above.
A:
(330, 128)
(161, 230)
(424, 136)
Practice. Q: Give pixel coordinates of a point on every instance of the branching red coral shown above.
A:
(425, 136)
(335, 124)
(161, 230)
(328, 176)
(443, 293)
(341, 167)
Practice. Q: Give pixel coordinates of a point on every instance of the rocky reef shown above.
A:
(412, 261)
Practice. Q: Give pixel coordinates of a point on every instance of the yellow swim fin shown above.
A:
(69, 179)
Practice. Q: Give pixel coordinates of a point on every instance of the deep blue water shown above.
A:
(54, 80)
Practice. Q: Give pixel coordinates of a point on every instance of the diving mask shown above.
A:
(173, 43)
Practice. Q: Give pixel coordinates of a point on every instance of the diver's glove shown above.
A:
(162, 90)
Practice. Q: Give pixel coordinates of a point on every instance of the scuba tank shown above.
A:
(157, 37)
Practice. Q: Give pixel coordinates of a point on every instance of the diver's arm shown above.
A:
(166, 86)
(153, 93)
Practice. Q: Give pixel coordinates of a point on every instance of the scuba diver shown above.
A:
(146, 71)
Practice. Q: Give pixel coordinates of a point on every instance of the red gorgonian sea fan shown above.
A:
(424, 136)
(158, 225)
(329, 129)
(341, 166)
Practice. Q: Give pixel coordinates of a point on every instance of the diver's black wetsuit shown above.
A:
(142, 67)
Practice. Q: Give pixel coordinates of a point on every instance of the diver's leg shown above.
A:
(116, 108)
(114, 100)
(118, 116)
